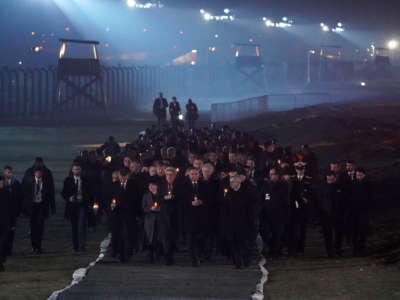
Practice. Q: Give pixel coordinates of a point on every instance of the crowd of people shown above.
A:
(212, 189)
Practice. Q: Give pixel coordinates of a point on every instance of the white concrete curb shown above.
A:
(81, 273)
(259, 294)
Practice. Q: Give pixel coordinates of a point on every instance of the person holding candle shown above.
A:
(236, 223)
(151, 208)
(125, 209)
(76, 194)
(168, 223)
(195, 214)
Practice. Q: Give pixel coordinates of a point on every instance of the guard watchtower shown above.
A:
(70, 68)
(330, 66)
(249, 63)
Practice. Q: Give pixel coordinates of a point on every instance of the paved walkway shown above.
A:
(139, 279)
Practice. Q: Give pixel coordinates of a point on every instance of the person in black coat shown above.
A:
(360, 200)
(195, 213)
(191, 113)
(300, 200)
(168, 218)
(274, 213)
(332, 211)
(160, 109)
(107, 194)
(38, 190)
(76, 193)
(15, 189)
(236, 225)
(151, 208)
(6, 212)
(210, 184)
(174, 112)
(125, 211)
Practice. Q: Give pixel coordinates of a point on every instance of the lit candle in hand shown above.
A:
(95, 207)
(225, 192)
(113, 203)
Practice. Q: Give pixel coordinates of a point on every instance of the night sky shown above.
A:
(370, 14)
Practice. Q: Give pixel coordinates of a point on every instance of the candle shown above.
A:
(195, 198)
(279, 162)
(169, 193)
(155, 204)
(225, 192)
(108, 159)
(96, 207)
(114, 202)
(177, 170)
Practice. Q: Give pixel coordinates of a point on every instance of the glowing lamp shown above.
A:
(131, 3)
(393, 44)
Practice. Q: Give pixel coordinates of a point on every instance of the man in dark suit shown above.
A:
(5, 221)
(15, 190)
(300, 201)
(38, 199)
(125, 210)
(332, 209)
(168, 217)
(210, 184)
(274, 213)
(360, 200)
(76, 193)
(236, 225)
(174, 112)
(195, 213)
(191, 113)
(160, 109)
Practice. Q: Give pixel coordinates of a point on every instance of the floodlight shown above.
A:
(392, 44)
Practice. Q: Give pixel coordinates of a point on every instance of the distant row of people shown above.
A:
(161, 105)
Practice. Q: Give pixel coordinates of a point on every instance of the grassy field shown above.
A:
(30, 276)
